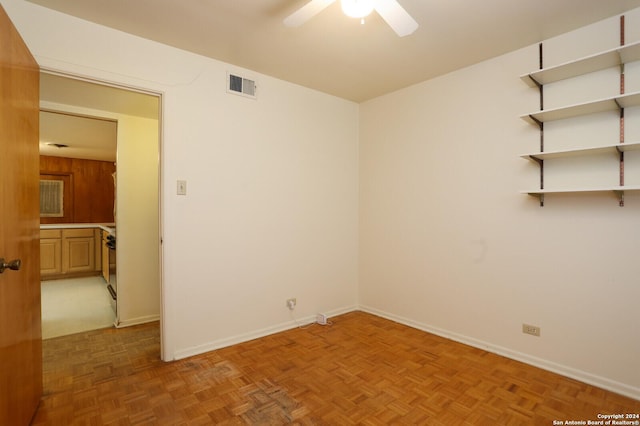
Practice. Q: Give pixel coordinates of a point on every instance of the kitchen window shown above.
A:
(51, 198)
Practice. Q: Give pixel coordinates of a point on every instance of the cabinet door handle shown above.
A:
(13, 264)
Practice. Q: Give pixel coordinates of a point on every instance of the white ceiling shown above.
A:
(335, 54)
(85, 137)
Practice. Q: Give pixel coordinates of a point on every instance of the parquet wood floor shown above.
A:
(361, 370)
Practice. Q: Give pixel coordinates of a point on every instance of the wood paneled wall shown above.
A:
(91, 189)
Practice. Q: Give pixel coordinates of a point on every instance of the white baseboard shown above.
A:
(245, 337)
(137, 321)
(583, 376)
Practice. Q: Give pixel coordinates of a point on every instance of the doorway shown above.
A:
(135, 207)
(77, 197)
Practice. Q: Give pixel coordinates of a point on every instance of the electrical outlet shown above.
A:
(321, 319)
(291, 303)
(531, 329)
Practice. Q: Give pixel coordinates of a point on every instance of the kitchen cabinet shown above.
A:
(78, 250)
(50, 252)
(70, 252)
(97, 235)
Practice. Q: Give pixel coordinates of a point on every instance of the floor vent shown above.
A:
(241, 86)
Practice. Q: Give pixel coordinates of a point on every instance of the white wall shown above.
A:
(448, 244)
(137, 220)
(272, 205)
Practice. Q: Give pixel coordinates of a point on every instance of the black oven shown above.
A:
(113, 282)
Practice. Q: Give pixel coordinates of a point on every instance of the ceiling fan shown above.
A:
(394, 14)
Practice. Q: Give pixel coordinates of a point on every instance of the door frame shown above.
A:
(160, 96)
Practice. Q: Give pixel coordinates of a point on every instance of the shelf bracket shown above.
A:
(536, 121)
(540, 162)
(539, 196)
(536, 82)
(537, 160)
(620, 195)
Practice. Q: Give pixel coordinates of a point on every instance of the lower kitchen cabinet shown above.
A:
(69, 252)
(78, 250)
(50, 252)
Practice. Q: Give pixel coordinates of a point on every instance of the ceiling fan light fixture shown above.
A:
(357, 8)
(389, 10)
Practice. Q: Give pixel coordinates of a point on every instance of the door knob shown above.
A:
(13, 264)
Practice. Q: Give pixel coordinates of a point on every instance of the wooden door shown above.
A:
(20, 319)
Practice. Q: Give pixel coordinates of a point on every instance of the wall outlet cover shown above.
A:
(533, 330)
(321, 319)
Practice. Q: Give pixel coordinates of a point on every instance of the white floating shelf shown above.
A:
(608, 104)
(616, 148)
(581, 190)
(607, 59)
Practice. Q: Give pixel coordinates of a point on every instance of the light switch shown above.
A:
(182, 187)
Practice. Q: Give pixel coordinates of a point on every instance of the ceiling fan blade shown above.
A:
(306, 12)
(395, 15)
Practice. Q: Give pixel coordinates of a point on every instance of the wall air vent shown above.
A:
(241, 86)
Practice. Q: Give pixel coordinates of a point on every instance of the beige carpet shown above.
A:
(75, 305)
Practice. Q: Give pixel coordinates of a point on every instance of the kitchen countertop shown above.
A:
(109, 227)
